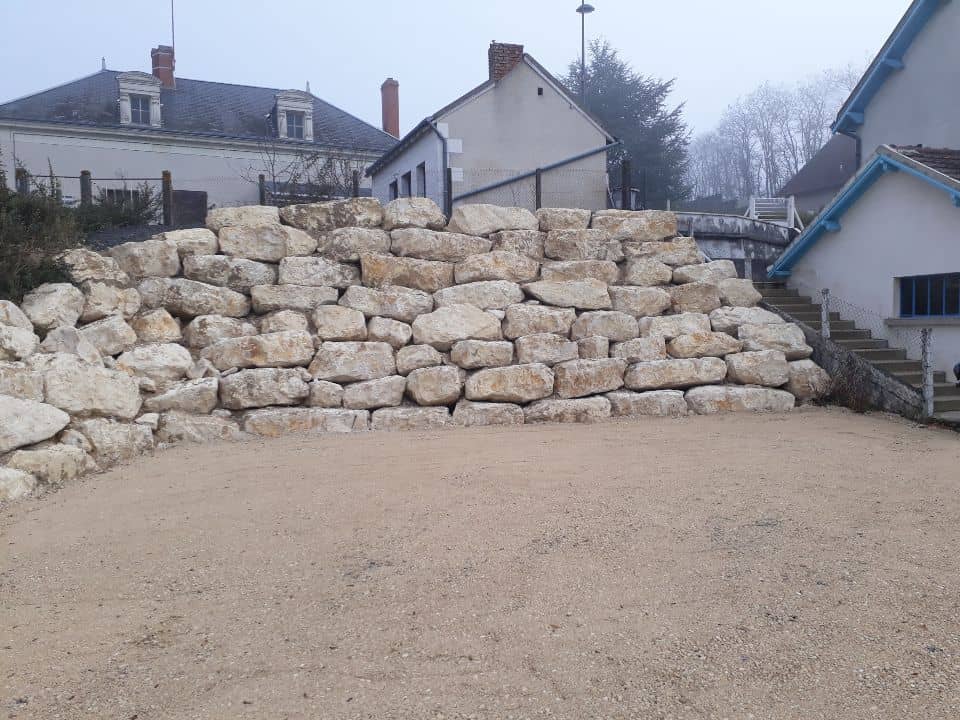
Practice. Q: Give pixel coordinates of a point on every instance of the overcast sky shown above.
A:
(437, 49)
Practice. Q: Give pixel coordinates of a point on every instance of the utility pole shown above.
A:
(584, 10)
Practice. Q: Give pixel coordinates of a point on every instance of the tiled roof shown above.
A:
(196, 107)
(942, 160)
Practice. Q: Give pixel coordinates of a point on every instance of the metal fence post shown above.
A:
(262, 187)
(167, 192)
(448, 193)
(825, 314)
(355, 183)
(86, 188)
(538, 188)
(625, 185)
(22, 181)
(926, 364)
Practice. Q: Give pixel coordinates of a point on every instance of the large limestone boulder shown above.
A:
(445, 326)
(671, 326)
(391, 301)
(193, 241)
(525, 319)
(317, 218)
(19, 381)
(17, 343)
(480, 219)
(475, 354)
(282, 321)
(643, 349)
(27, 422)
(156, 326)
(704, 344)
(580, 410)
(511, 384)
(582, 294)
(373, 394)
(578, 378)
(52, 305)
(658, 403)
(413, 212)
(205, 330)
(114, 442)
(765, 367)
(80, 388)
(413, 357)
(52, 465)
(486, 294)
(732, 398)
(189, 298)
(347, 244)
(739, 293)
(345, 362)
(303, 298)
(325, 394)
(480, 414)
(808, 381)
(431, 245)
(409, 418)
(71, 341)
(694, 297)
(666, 374)
(15, 484)
(497, 265)
(676, 253)
(82, 265)
(563, 219)
(611, 324)
(582, 245)
(276, 422)
(317, 272)
(605, 271)
(426, 275)
(150, 258)
(788, 338)
(237, 274)
(393, 332)
(110, 336)
(192, 396)
(102, 300)
(248, 215)
(440, 385)
(729, 319)
(595, 347)
(646, 272)
(160, 363)
(262, 387)
(182, 427)
(13, 316)
(637, 225)
(282, 349)
(335, 322)
(711, 272)
(520, 242)
(546, 348)
(640, 301)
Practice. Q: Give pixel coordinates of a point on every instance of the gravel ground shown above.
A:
(795, 566)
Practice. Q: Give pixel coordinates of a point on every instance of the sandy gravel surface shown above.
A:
(797, 566)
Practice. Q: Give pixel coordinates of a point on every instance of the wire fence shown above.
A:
(907, 338)
(560, 187)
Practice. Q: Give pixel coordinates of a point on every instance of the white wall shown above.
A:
(900, 227)
(921, 103)
(428, 149)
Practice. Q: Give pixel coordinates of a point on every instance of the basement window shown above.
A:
(140, 109)
(295, 125)
(930, 296)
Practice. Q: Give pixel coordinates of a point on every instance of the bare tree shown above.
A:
(305, 174)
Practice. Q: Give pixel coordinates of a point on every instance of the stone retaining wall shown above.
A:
(349, 316)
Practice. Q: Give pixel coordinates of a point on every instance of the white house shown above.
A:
(520, 119)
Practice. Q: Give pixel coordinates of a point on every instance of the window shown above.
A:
(140, 109)
(405, 185)
(930, 296)
(422, 180)
(393, 190)
(295, 124)
(121, 196)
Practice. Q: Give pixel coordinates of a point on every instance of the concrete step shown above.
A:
(873, 354)
(786, 302)
(898, 366)
(776, 292)
(805, 315)
(862, 343)
(949, 403)
(915, 378)
(945, 389)
(838, 326)
(842, 335)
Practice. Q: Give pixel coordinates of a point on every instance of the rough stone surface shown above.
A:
(808, 381)
(711, 272)
(268, 298)
(150, 258)
(640, 301)
(479, 219)
(512, 384)
(113, 442)
(646, 272)
(580, 410)
(192, 396)
(671, 326)
(676, 253)
(595, 347)
(410, 418)
(283, 321)
(545, 348)
(578, 378)
(347, 244)
(729, 319)
(316, 218)
(445, 326)
(102, 299)
(325, 394)
(426, 275)
(563, 219)
(19, 381)
(13, 316)
(26, 422)
(219, 218)
(739, 293)
(193, 241)
(582, 294)
(180, 427)
(521, 242)
(82, 265)
(765, 367)
(52, 305)
(17, 343)
(694, 297)
(474, 354)
(156, 326)
(15, 484)
(335, 322)
(480, 414)
(413, 357)
(275, 422)
(317, 272)
(642, 349)
(441, 385)
(730, 398)
(206, 330)
(485, 294)
(606, 271)
(788, 338)
(413, 212)
(392, 301)
(283, 349)
(497, 265)
(52, 465)
(80, 388)
(70, 341)
(637, 225)
(658, 403)
(582, 245)
(373, 394)
(237, 274)
(189, 298)
(345, 362)
(161, 363)
(393, 332)
(611, 324)
(431, 245)
(110, 336)
(707, 344)
(262, 387)
(523, 320)
(665, 374)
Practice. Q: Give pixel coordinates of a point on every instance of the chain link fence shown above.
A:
(907, 338)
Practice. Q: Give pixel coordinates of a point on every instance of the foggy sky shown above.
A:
(436, 49)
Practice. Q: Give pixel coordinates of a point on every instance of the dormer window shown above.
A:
(295, 125)
(139, 99)
(140, 109)
(294, 113)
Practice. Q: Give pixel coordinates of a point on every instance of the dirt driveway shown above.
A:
(797, 566)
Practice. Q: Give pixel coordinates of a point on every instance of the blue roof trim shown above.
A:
(829, 219)
(889, 61)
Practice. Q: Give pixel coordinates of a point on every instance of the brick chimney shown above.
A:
(163, 64)
(502, 58)
(390, 105)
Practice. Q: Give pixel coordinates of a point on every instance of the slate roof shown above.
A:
(195, 107)
(829, 169)
(943, 160)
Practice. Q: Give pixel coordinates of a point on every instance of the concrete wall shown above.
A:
(900, 227)
(427, 149)
(920, 104)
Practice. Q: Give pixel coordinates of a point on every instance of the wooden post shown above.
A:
(86, 188)
(262, 185)
(22, 181)
(625, 185)
(167, 192)
(448, 193)
(356, 183)
(538, 188)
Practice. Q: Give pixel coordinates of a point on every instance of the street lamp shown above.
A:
(584, 10)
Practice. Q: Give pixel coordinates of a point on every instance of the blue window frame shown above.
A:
(930, 296)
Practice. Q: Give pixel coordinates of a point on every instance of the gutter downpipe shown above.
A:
(859, 141)
(443, 176)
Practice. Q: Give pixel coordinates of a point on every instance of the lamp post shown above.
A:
(584, 10)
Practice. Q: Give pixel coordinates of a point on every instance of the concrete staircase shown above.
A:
(946, 402)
